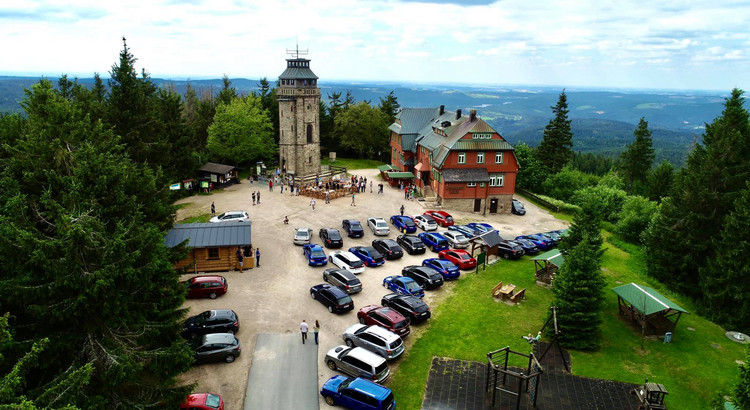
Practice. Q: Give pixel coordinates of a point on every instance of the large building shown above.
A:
(299, 123)
(460, 160)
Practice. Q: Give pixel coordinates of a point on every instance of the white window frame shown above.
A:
(480, 157)
(461, 157)
(497, 180)
(499, 157)
(471, 184)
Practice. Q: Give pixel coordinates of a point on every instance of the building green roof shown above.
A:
(400, 175)
(554, 257)
(646, 300)
(485, 145)
(386, 168)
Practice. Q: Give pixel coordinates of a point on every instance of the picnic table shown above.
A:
(507, 290)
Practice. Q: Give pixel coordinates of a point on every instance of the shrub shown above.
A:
(610, 200)
(634, 217)
(566, 182)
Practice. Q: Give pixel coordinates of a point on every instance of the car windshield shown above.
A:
(355, 226)
(449, 218)
(408, 221)
(464, 256)
(459, 237)
(346, 299)
(429, 219)
(381, 224)
(213, 401)
(356, 264)
(318, 254)
(302, 234)
(202, 317)
(345, 384)
(442, 242)
(412, 286)
(400, 325)
(334, 235)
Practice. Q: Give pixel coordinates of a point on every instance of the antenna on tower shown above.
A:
(296, 52)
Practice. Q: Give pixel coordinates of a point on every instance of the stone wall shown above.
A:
(302, 158)
(467, 204)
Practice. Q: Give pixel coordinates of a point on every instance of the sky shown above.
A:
(662, 44)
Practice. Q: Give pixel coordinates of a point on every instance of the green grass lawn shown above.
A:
(351, 163)
(469, 324)
(196, 219)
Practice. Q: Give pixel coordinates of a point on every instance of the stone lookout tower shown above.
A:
(299, 122)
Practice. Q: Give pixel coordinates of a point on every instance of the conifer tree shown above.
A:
(659, 181)
(638, 157)
(556, 148)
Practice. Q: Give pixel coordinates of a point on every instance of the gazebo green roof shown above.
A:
(645, 299)
(386, 168)
(400, 175)
(554, 257)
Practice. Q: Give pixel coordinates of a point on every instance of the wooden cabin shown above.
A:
(212, 246)
(219, 174)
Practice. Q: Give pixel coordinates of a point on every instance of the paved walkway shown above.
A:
(284, 374)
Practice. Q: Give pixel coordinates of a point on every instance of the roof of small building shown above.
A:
(413, 119)
(554, 257)
(298, 73)
(209, 235)
(482, 145)
(645, 300)
(215, 168)
(466, 175)
(400, 175)
(386, 167)
(491, 238)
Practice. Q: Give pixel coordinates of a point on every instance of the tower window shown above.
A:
(309, 159)
(309, 133)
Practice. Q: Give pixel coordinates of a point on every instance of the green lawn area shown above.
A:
(469, 324)
(196, 219)
(351, 163)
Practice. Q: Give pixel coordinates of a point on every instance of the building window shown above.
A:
(480, 157)
(497, 180)
(481, 136)
(309, 159)
(471, 184)
(481, 184)
(498, 158)
(309, 134)
(213, 253)
(461, 157)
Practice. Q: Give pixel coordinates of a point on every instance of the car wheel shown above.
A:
(330, 309)
(362, 320)
(432, 248)
(212, 295)
(331, 365)
(505, 256)
(349, 343)
(325, 278)
(330, 401)
(229, 359)
(312, 295)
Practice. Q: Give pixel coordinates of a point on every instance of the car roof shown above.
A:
(223, 313)
(338, 293)
(218, 338)
(343, 272)
(412, 301)
(346, 254)
(382, 332)
(205, 278)
(365, 355)
(391, 314)
(369, 388)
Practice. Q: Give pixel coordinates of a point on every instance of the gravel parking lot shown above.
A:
(275, 297)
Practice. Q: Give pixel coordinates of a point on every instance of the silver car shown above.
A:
(378, 226)
(456, 239)
(231, 216)
(342, 279)
(358, 362)
(302, 236)
(426, 222)
(375, 339)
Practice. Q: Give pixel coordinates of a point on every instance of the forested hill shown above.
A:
(603, 121)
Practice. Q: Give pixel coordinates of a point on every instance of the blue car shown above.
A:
(403, 285)
(448, 269)
(404, 224)
(481, 228)
(369, 255)
(314, 254)
(465, 230)
(357, 394)
(434, 241)
(543, 243)
(529, 247)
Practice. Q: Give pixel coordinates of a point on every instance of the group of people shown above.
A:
(246, 252)
(304, 328)
(256, 196)
(410, 190)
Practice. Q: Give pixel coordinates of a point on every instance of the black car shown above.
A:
(215, 347)
(509, 250)
(353, 228)
(332, 297)
(343, 279)
(425, 276)
(517, 208)
(211, 321)
(411, 244)
(389, 248)
(331, 238)
(410, 306)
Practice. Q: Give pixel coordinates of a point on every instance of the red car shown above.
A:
(459, 257)
(385, 317)
(206, 286)
(203, 401)
(441, 217)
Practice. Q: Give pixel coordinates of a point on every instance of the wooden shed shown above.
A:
(487, 243)
(648, 309)
(213, 246)
(219, 174)
(547, 264)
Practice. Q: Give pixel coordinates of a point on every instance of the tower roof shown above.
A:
(298, 69)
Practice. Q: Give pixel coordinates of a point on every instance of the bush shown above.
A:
(634, 217)
(566, 182)
(561, 206)
(610, 200)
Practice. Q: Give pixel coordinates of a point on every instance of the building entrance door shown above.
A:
(493, 205)
(477, 205)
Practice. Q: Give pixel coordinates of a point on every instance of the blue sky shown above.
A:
(664, 44)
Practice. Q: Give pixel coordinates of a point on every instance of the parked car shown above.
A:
(357, 393)
(347, 260)
(353, 228)
(343, 279)
(529, 247)
(314, 254)
(403, 224)
(434, 241)
(543, 243)
(358, 362)
(425, 222)
(376, 339)
(425, 276)
(231, 216)
(448, 269)
(302, 236)
(215, 347)
(517, 208)
(388, 247)
(206, 286)
(403, 285)
(378, 226)
(441, 217)
(412, 244)
(335, 299)
(331, 238)
(456, 239)
(385, 317)
(459, 257)
(465, 230)
(369, 255)
(411, 307)
(203, 401)
(509, 250)
(211, 321)
(481, 228)
(556, 237)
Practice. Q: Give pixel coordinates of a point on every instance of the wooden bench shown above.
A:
(496, 290)
(516, 297)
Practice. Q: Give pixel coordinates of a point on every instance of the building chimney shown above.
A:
(472, 115)
(458, 114)
(442, 110)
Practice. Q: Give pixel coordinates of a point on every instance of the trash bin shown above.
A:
(668, 337)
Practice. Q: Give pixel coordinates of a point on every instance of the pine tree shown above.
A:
(659, 181)
(531, 174)
(390, 107)
(638, 157)
(556, 148)
(741, 391)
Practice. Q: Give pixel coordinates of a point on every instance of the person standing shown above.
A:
(353, 204)
(303, 328)
(370, 186)
(213, 209)
(257, 258)
(270, 185)
(328, 198)
(257, 196)
(316, 330)
(312, 203)
(253, 198)
(240, 258)
(402, 209)
(281, 188)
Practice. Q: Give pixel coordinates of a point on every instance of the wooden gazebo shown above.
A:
(486, 242)
(547, 264)
(648, 309)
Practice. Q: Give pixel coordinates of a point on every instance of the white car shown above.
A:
(302, 236)
(347, 261)
(425, 222)
(379, 226)
(231, 216)
(456, 239)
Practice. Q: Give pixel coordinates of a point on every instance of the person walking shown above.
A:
(312, 203)
(303, 328)
(240, 258)
(402, 209)
(370, 186)
(213, 209)
(257, 196)
(328, 198)
(253, 198)
(281, 188)
(257, 258)
(353, 204)
(270, 185)
(316, 330)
